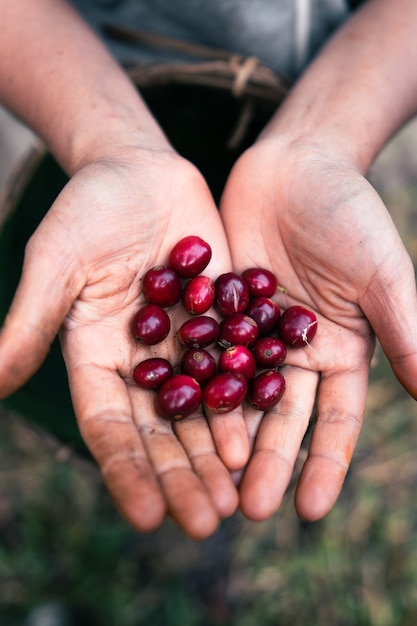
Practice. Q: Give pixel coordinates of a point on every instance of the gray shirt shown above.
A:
(283, 34)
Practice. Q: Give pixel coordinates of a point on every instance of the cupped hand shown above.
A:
(319, 225)
(81, 277)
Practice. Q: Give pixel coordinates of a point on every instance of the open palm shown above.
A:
(82, 276)
(326, 234)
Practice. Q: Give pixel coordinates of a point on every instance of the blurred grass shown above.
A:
(62, 543)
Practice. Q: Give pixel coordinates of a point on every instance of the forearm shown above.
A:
(361, 88)
(58, 78)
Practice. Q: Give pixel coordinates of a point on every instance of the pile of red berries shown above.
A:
(253, 335)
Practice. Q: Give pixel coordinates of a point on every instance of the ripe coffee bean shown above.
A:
(269, 352)
(178, 397)
(190, 256)
(232, 293)
(261, 282)
(199, 364)
(151, 324)
(297, 326)
(198, 295)
(266, 390)
(265, 312)
(199, 332)
(238, 359)
(225, 392)
(151, 373)
(161, 285)
(238, 329)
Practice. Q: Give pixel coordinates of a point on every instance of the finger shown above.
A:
(253, 419)
(43, 297)
(390, 304)
(340, 409)
(231, 437)
(277, 445)
(188, 501)
(104, 413)
(196, 438)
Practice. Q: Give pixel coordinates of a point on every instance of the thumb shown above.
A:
(390, 304)
(44, 295)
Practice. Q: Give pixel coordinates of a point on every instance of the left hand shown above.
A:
(322, 229)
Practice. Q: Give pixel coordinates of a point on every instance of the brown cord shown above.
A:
(243, 76)
(155, 40)
(243, 72)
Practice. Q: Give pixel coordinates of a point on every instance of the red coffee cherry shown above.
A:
(261, 282)
(225, 392)
(238, 359)
(266, 390)
(178, 397)
(199, 364)
(199, 332)
(152, 373)
(161, 285)
(232, 293)
(151, 324)
(198, 295)
(265, 312)
(190, 256)
(269, 352)
(297, 326)
(238, 329)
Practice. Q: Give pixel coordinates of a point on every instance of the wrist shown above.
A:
(114, 129)
(64, 84)
(356, 94)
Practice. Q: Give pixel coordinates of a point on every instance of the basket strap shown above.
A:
(242, 75)
(155, 40)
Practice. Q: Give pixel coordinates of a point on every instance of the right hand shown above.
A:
(82, 273)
